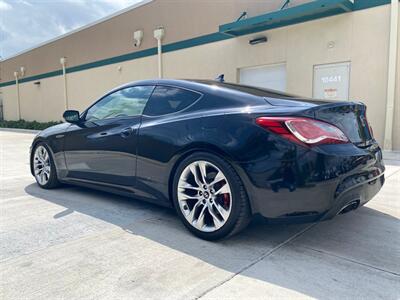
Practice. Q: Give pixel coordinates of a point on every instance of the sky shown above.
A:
(27, 23)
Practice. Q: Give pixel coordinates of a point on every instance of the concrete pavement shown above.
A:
(72, 243)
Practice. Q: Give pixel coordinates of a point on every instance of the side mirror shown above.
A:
(71, 116)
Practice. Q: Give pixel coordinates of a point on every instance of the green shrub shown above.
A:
(27, 124)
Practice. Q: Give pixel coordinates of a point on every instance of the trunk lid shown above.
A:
(350, 117)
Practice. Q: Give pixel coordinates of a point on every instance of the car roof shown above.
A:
(245, 94)
(211, 86)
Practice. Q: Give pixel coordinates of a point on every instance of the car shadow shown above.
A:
(348, 236)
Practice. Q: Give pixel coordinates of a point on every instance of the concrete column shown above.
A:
(63, 61)
(16, 75)
(159, 34)
(391, 85)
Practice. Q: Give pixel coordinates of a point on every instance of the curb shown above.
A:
(391, 155)
(19, 130)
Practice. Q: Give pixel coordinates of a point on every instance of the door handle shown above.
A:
(126, 132)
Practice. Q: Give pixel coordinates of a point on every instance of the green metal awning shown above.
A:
(297, 14)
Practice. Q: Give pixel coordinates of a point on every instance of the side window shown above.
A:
(166, 100)
(122, 103)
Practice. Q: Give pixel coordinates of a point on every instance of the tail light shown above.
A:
(303, 130)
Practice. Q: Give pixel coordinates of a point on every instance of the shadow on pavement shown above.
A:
(366, 238)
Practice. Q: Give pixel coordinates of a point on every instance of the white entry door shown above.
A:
(267, 76)
(332, 81)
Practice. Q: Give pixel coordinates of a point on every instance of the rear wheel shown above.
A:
(43, 167)
(210, 197)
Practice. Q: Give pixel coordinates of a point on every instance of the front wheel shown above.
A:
(210, 197)
(43, 166)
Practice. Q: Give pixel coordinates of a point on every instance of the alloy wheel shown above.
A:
(204, 196)
(41, 165)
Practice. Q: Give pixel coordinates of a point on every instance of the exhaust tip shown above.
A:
(349, 207)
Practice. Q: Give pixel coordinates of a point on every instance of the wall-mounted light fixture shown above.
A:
(137, 38)
(63, 61)
(37, 83)
(258, 40)
(22, 71)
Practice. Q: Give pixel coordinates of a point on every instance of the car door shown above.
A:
(102, 147)
(162, 133)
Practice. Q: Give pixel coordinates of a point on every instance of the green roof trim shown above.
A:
(301, 13)
(297, 14)
(197, 41)
(363, 4)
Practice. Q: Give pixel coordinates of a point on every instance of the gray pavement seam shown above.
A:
(260, 258)
(350, 260)
(395, 172)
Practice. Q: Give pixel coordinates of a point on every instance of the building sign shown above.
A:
(331, 81)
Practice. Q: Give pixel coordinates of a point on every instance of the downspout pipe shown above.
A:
(391, 84)
(63, 62)
(159, 34)
(16, 75)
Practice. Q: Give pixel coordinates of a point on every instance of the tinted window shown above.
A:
(122, 103)
(166, 100)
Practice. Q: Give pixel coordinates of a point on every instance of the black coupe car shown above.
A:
(217, 152)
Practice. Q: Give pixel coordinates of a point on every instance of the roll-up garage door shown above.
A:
(267, 76)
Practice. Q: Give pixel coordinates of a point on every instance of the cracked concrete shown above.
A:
(77, 243)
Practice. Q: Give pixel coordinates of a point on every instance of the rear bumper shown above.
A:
(314, 185)
(350, 200)
(359, 194)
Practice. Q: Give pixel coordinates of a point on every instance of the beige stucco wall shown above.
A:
(85, 87)
(360, 37)
(183, 19)
(41, 103)
(45, 102)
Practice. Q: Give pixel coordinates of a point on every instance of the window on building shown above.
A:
(126, 102)
(166, 100)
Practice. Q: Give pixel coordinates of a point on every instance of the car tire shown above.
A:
(46, 180)
(210, 223)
